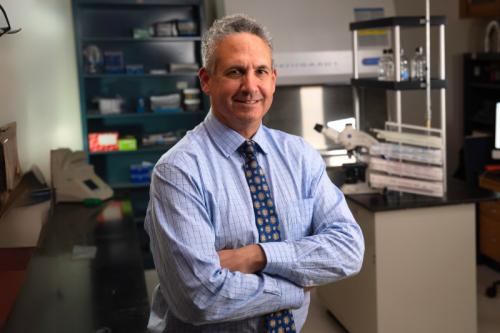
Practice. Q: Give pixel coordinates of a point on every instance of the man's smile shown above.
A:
(247, 101)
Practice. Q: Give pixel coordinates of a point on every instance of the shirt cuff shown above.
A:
(290, 295)
(279, 258)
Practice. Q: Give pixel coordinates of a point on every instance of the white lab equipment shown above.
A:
(73, 179)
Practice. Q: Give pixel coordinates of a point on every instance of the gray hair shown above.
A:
(224, 27)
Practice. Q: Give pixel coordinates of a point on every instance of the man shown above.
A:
(243, 219)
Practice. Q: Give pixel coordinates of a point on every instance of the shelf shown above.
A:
(154, 149)
(141, 40)
(494, 86)
(483, 56)
(402, 21)
(138, 76)
(392, 85)
(128, 185)
(144, 115)
(140, 219)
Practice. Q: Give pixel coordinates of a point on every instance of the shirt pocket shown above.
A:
(296, 218)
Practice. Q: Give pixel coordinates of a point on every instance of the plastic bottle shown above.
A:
(418, 65)
(405, 70)
(140, 108)
(382, 65)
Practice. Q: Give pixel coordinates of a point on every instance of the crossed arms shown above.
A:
(203, 285)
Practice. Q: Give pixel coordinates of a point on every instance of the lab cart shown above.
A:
(396, 131)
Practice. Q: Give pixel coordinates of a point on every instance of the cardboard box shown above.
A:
(106, 141)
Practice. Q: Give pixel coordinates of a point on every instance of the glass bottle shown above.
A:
(389, 66)
(382, 64)
(404, 67)
(418, 65)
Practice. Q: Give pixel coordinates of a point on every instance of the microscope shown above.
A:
(356, 143)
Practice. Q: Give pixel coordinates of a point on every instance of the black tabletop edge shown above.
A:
(458, 193)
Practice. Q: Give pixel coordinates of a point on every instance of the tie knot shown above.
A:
(248, 148)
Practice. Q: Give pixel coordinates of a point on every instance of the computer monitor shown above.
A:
(495, 153)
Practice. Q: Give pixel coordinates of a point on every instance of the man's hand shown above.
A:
(247, 259)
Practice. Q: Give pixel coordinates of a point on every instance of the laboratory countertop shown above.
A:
(85, 275)
(458, 193)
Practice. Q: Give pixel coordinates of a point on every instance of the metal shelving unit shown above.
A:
(398, 86)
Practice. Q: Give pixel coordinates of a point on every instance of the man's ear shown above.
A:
(204, 77)
(274, 76)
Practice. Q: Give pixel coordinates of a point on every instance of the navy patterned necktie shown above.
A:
(267, 224)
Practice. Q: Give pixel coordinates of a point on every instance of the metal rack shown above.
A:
(398, 86)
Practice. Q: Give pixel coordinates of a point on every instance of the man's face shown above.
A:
(242, 84)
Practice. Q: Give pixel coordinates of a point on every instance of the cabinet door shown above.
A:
(489, 229)
(479, 8)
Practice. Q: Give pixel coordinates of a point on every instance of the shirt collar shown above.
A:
(228, 140)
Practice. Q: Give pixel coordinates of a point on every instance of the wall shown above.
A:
(314, 25)
(462, 36)
(38, 79)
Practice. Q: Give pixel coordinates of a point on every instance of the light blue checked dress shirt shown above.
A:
(200, 203)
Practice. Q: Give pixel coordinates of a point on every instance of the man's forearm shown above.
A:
(247, 259)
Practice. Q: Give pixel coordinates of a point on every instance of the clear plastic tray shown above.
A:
(407, 169)
(415, 154)
(406, 185)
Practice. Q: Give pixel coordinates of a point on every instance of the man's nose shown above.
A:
(250, 82)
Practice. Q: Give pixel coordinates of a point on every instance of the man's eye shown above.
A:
(262, 71)
(234, 73)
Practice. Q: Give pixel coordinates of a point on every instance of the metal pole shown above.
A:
(397, 73)
(428, 114)
(442, 75)
(355, 94)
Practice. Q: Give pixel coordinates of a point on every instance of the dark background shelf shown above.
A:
(481, 91)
